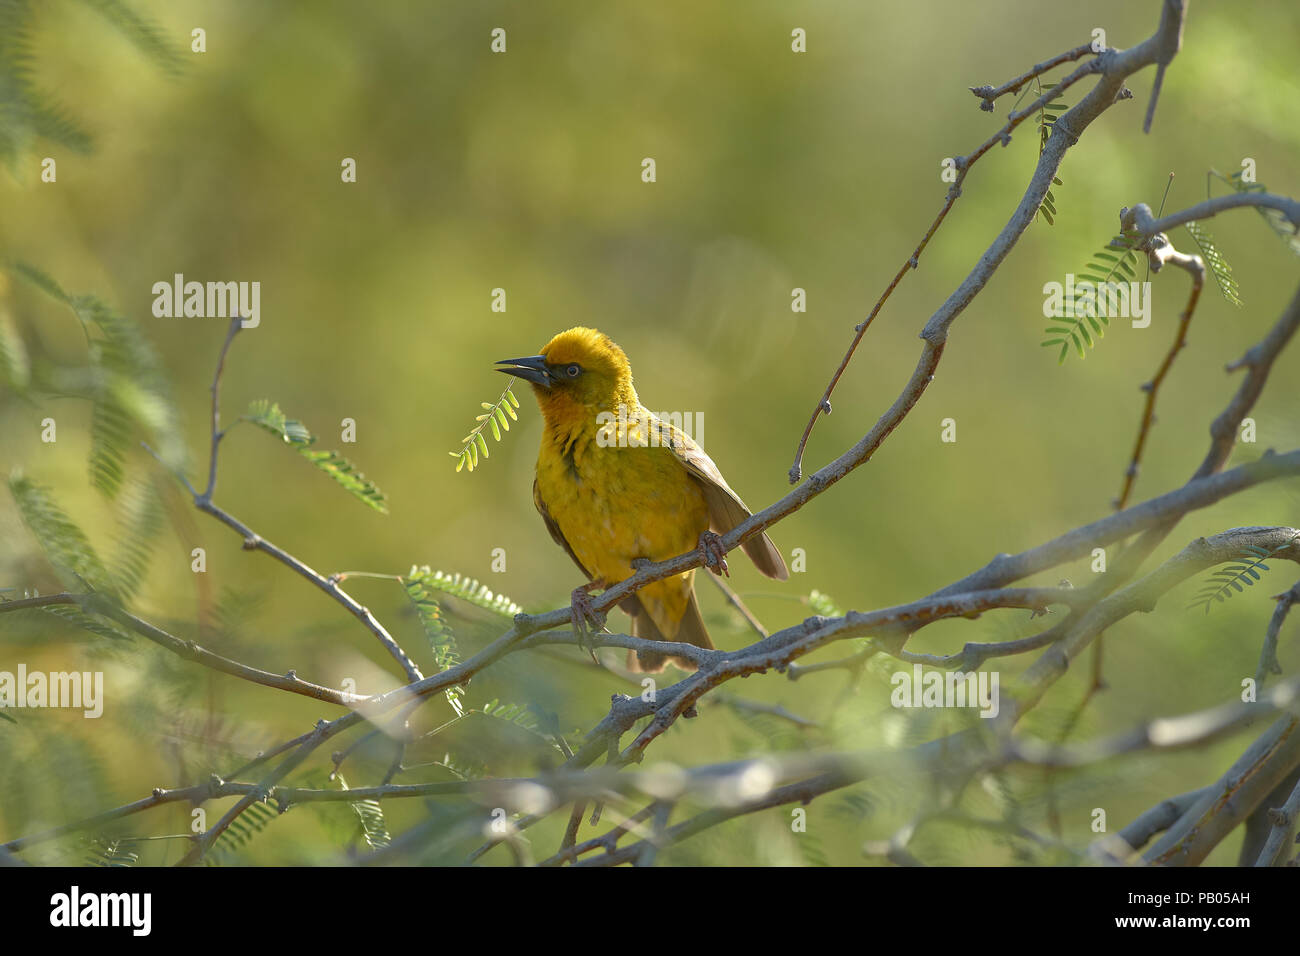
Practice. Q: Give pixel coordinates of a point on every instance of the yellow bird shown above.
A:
(615, 483)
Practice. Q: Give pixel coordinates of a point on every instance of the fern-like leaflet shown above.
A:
(1234, 578)
(1274, 217)
(442, 641)
(255, 818)
(469, 590)
(512, 714)
(1047, 117)
(268, 416)
(65, 544)
(1219, 267)
(125, 382)
(493, 419)
(1083, 322)
(370, 814)
(104, 852)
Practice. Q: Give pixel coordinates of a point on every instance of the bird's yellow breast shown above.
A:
(615, 504)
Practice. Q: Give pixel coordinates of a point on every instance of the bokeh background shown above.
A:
(522, 171)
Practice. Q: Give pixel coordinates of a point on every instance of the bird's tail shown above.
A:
(690, 631)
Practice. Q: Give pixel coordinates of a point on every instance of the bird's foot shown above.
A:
(713, 553)
(585, 617)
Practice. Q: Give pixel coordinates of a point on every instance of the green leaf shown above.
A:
(1274, 217)
(42, 280)
(140, 520)
(104, 852)
(346, 474)
(511, 713)
(98, 626)
(495, 421)
(64, 543)
(255, 818)
(145, 34)
(823, 604)
(269, 416)
(27, 112)
(371, 817)
(1219, 267)
(15, 366)
(418, 585)
(126, 383)
(1234, 578)
(1115, 261)
(466, 589)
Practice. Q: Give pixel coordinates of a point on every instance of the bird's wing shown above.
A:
(726, 510)
(554, 529)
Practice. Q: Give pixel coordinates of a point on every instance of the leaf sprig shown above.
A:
(101, 851)
(493, 419)
(255, 818)
(1219, 267)
(123, 379)
(268, 416)
(65, 544)
(1047, 117)
(419, 586)
(370, 816)
(1114, 262)
(1274, 217)
(467, 589)
(1234, 578)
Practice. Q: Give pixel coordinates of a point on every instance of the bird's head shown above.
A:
(580, 371)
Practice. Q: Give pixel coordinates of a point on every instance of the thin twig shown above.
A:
(1160, 252)
(987, 94)
(1006, 240)
(98, 604)
(1268, 662)
(734, 600)
(1283, 832)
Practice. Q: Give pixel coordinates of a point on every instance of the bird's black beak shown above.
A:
(531, 369)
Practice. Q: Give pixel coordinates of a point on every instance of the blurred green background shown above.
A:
(521, 171)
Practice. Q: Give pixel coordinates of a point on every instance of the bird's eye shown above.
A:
(573, 371)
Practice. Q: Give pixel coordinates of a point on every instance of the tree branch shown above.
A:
(189, 650)
(1160, 251)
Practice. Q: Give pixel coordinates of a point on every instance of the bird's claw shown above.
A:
(713, 554)
(585, 617)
